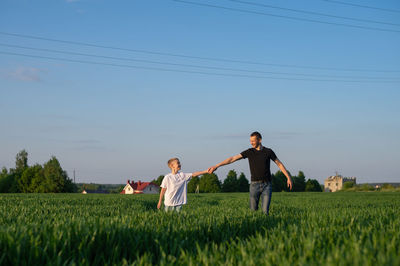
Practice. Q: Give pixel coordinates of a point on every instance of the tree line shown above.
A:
(49, 177)
(209, 183)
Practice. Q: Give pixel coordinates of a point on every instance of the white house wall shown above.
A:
(128, 189)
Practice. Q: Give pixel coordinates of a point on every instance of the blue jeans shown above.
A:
(263, 190)
(173, 208)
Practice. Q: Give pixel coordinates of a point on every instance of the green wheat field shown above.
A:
(353, 228)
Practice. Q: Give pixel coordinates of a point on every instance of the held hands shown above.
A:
(212, 169)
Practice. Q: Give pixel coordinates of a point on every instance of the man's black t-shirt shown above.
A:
(259, 162)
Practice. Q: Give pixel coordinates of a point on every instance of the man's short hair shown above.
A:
(257, 134)
(171, 160)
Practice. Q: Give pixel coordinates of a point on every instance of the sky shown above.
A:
(114, 89)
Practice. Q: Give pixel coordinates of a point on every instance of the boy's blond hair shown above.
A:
(171, 160)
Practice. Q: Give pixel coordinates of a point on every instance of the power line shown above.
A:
(286, 17)
(313, 13)
(363, 6)
(193, 66)
(195, 57)
(189, 71)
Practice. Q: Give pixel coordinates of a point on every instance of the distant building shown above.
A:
(335, 182)
(91, 191)
(140, 187)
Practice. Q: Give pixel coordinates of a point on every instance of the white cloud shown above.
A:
(30, 74)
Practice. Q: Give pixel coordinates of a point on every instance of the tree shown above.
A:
(31, 178)
(231, 182)
(69, 186)
(4, 180)
(348, 185)
(53, 174)
(56, 179)
(313, 185)
(192, 185)
(299, 182)
(159, 180)
(365, 187)
(48, 178)
(209, 183)
(12, 180)
(38, 184)
(386, 186)
(279, 182)
(243, 183)
(117, 190)
(21, 161)
(7, 181)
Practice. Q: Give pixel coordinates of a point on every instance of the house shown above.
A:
(335, 182)
(140, 187)
(91, 191)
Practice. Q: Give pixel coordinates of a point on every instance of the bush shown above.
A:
(313, 185)
(348, 185)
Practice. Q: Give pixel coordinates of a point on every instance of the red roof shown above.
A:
(139, 186)
(142, 185)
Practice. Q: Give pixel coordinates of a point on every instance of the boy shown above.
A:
(174, 186)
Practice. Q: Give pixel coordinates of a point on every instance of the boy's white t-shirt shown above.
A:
(176, 186)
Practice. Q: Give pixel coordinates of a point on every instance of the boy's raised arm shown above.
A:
(199, 173)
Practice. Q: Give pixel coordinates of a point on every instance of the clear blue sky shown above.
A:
(113, 123)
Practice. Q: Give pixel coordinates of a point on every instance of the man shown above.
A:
(259, 161)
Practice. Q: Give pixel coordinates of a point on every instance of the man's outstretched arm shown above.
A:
(225, 162)
(285, 172)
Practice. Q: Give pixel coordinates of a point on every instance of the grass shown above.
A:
(303, 228)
